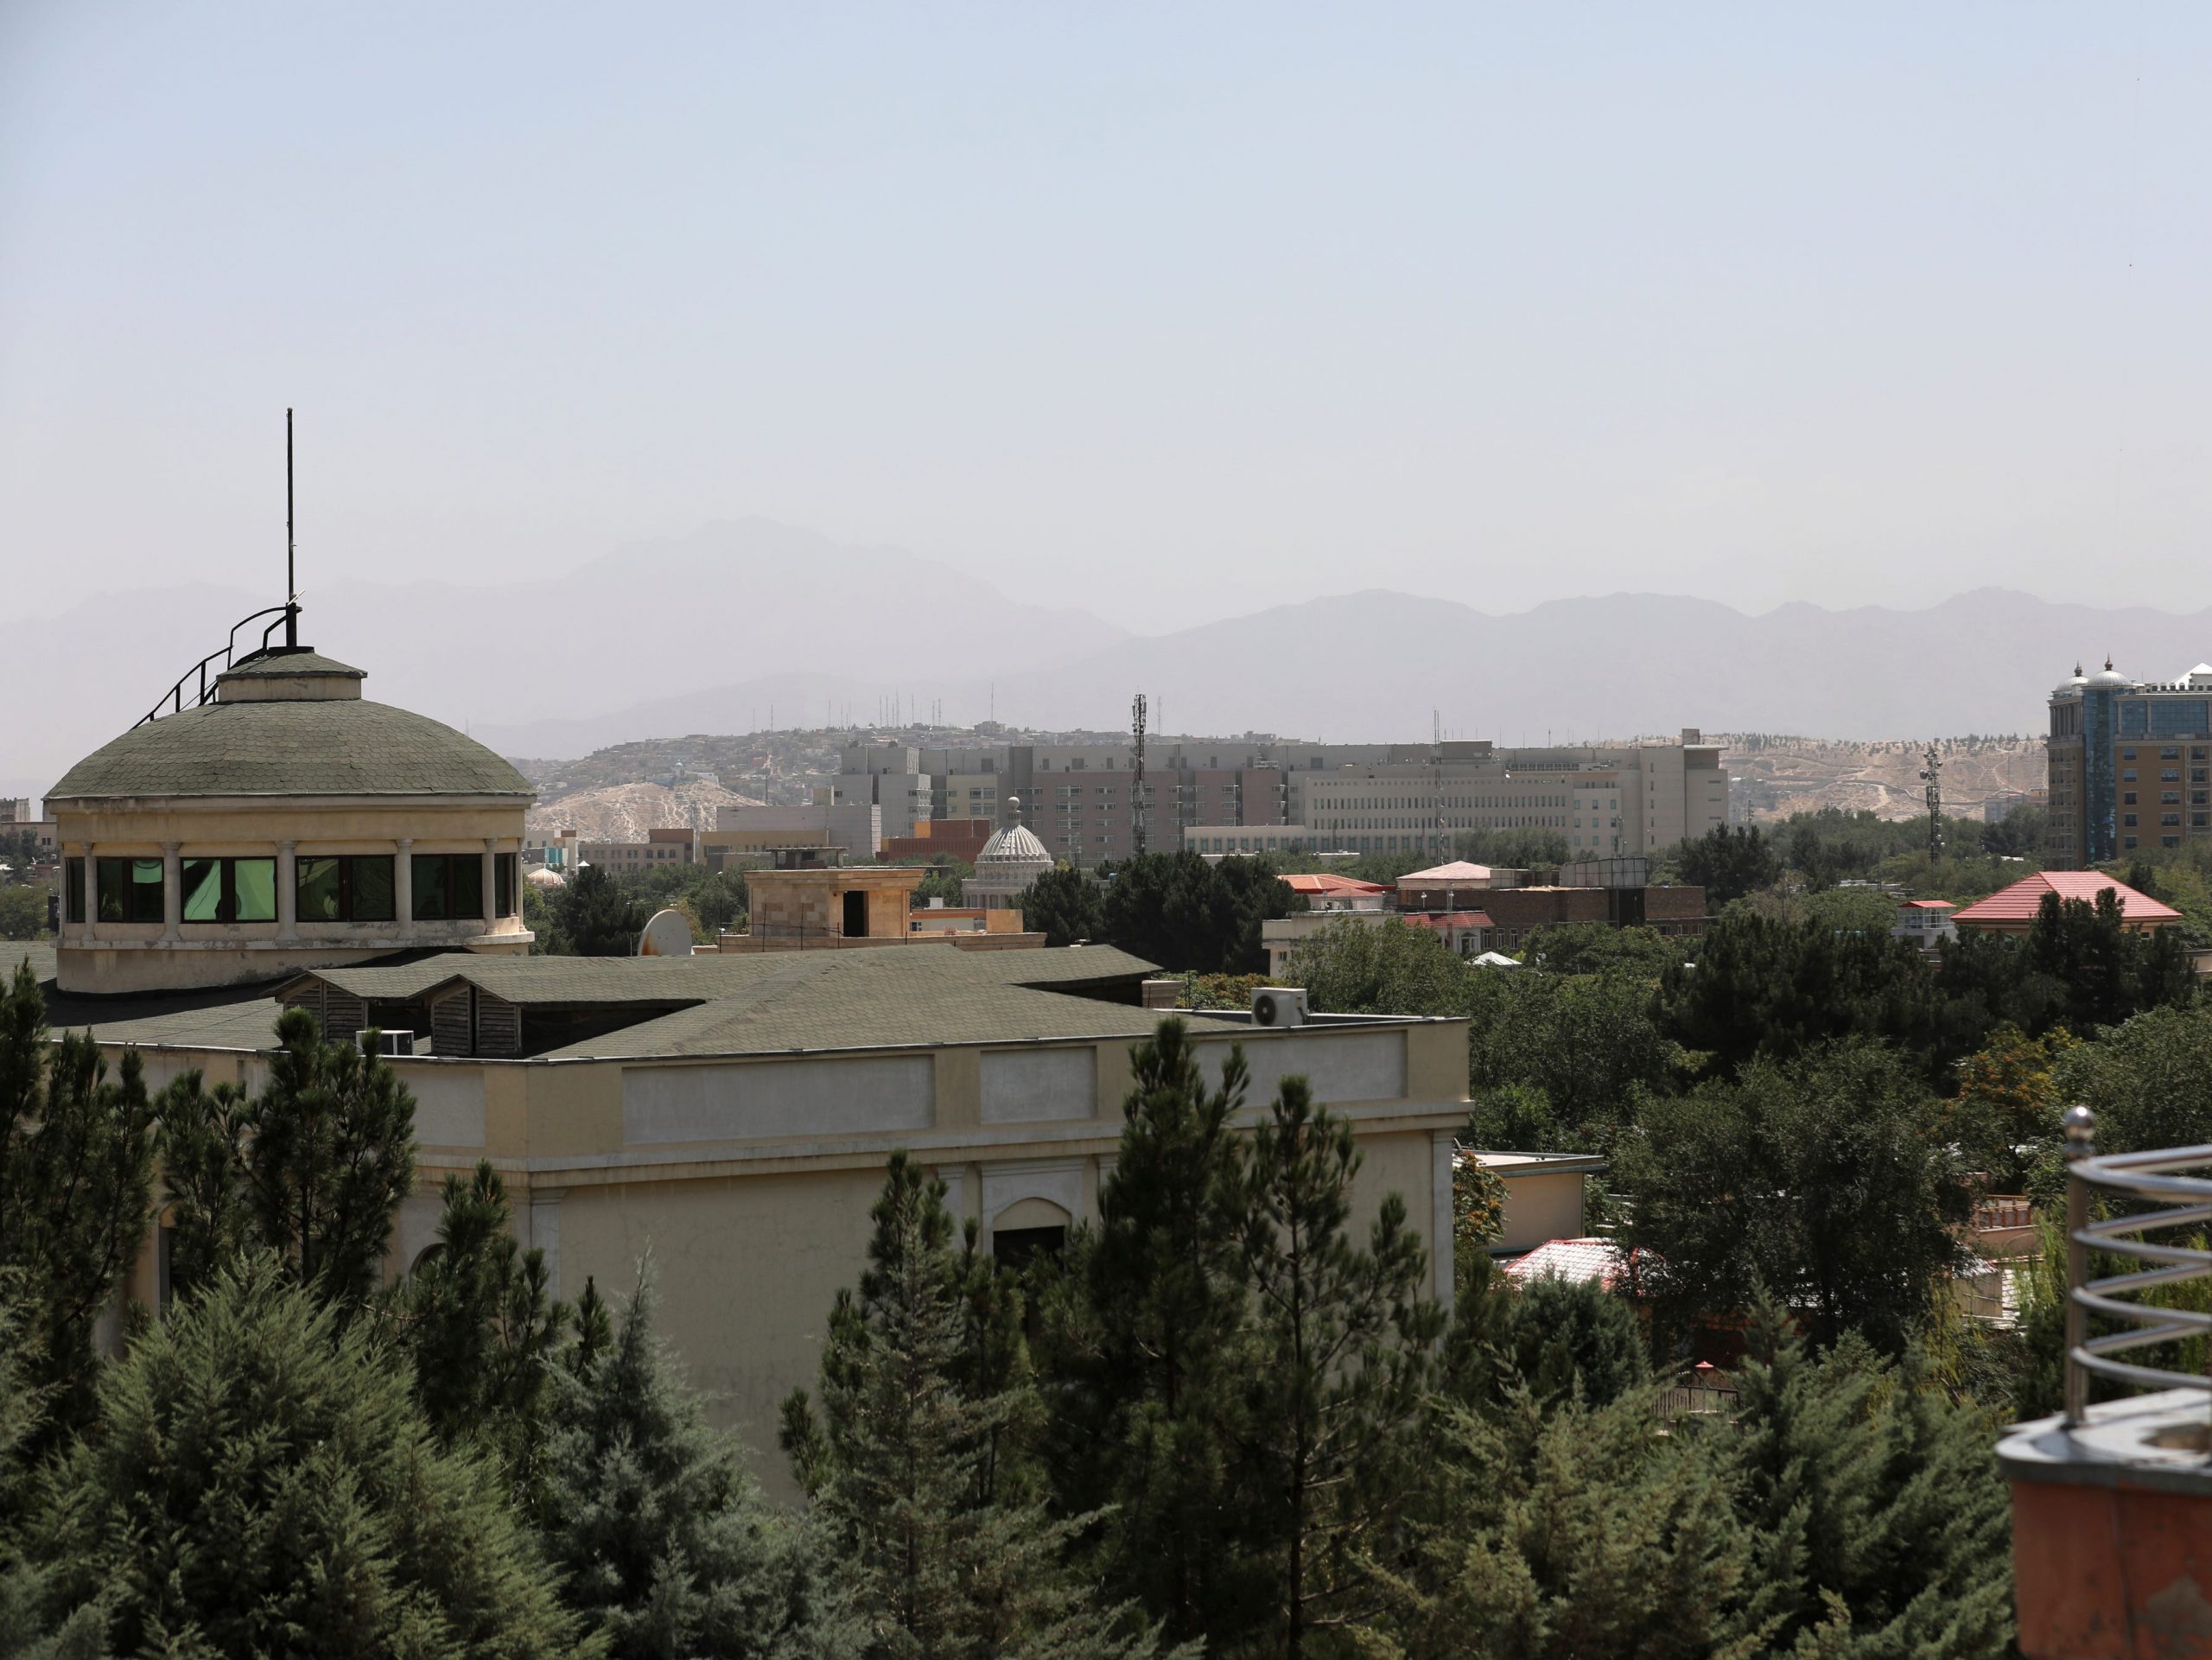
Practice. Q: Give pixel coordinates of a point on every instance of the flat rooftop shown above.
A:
(780, 1003)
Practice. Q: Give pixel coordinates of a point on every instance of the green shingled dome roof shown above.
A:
(311, 747)
(303, 661)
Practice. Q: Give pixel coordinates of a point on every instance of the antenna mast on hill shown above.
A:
(1136, 781)
(1932, 775)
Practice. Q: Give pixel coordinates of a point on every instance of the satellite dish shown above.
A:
(666, 935)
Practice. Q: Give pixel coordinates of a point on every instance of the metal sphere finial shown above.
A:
(2080, 1131)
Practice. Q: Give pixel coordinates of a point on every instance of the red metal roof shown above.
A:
(1448, 920)
(1577, 1259)
(1321, 882)
(1459, 871)
(1929, 905)
(2021, 902)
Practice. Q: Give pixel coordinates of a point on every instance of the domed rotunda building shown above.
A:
(1010, 861)
(285, 823)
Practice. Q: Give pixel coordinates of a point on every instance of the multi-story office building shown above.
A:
(1082, 800)
(2130, 764)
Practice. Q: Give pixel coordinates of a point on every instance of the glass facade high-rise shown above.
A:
(2130, 764)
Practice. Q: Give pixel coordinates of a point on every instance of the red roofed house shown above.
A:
(2012, 910)
(1924, 922)
(1465, 933)
(1325, 891)
(1580, 1261)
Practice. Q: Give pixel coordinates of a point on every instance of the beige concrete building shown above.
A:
(288, 823)
(728, 1117)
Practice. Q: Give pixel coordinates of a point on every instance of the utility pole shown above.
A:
(1932, 775)
(1136, 781)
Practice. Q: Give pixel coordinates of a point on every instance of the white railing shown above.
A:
(2177, 1201)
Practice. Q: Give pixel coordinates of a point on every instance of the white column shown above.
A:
(403, 889)
(288, 891)
(172, 891)
(491, 891)
(1445, 1144)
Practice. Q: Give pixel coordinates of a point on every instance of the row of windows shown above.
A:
(351, 888)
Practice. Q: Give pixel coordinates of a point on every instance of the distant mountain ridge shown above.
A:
(740, 625)
(1370, 666)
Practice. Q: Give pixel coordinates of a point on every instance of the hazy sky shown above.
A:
(1164, 311)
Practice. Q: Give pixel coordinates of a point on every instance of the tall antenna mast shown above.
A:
(1136, 782)
(291, 581)
(1933, 773)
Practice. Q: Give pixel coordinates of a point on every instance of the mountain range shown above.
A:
(739, 625)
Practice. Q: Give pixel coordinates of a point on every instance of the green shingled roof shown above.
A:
(780, 1002)
(337, 747)
(299, 662)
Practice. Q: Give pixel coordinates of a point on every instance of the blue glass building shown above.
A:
(2130, 764)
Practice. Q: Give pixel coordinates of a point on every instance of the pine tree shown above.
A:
(597, 918)
(479, 1324)
(1343, 1364)
(1573, 1532)
(317, 1163)
(33, 1624)
(260, 1481)
(1148, 1356)
(1876, 1501)
(202, 1140)
(936, 1566)
(331, 1155)
(76, 1187)
(664, 1540)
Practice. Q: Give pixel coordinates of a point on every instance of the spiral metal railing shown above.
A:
(2178, 1201)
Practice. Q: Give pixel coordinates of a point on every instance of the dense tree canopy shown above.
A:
(1820, 1179)
(260, 1481)
(1177, 910)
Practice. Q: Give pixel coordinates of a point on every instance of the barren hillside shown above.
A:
(624, 813)
(1777, 776)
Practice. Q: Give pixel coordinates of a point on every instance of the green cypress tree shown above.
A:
(597, 918)
(939, 1566)
(1148, 1356)
(1343, 1364)
(202, 1140)
(260, 1481)
(1876, 1501)
(76, 1187)
(33, 1624)
(479, 1324)
(311, 1169)
(1571, 1532)
(329, 1154)
(666, 1544)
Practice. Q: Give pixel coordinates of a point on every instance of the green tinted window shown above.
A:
(113, 886)
(467, 884)
(432, 902)
(73, 882)
(203, 890)
(253, 890)
(318, 890)
(146, 891)
(372, 885)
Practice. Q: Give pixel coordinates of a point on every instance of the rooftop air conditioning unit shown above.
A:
(1279, 1006)
(388, 1043)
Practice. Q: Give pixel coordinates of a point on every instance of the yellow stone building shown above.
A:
(287, 823)
(725, 1116)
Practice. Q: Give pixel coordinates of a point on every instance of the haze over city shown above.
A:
(1166, 316)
